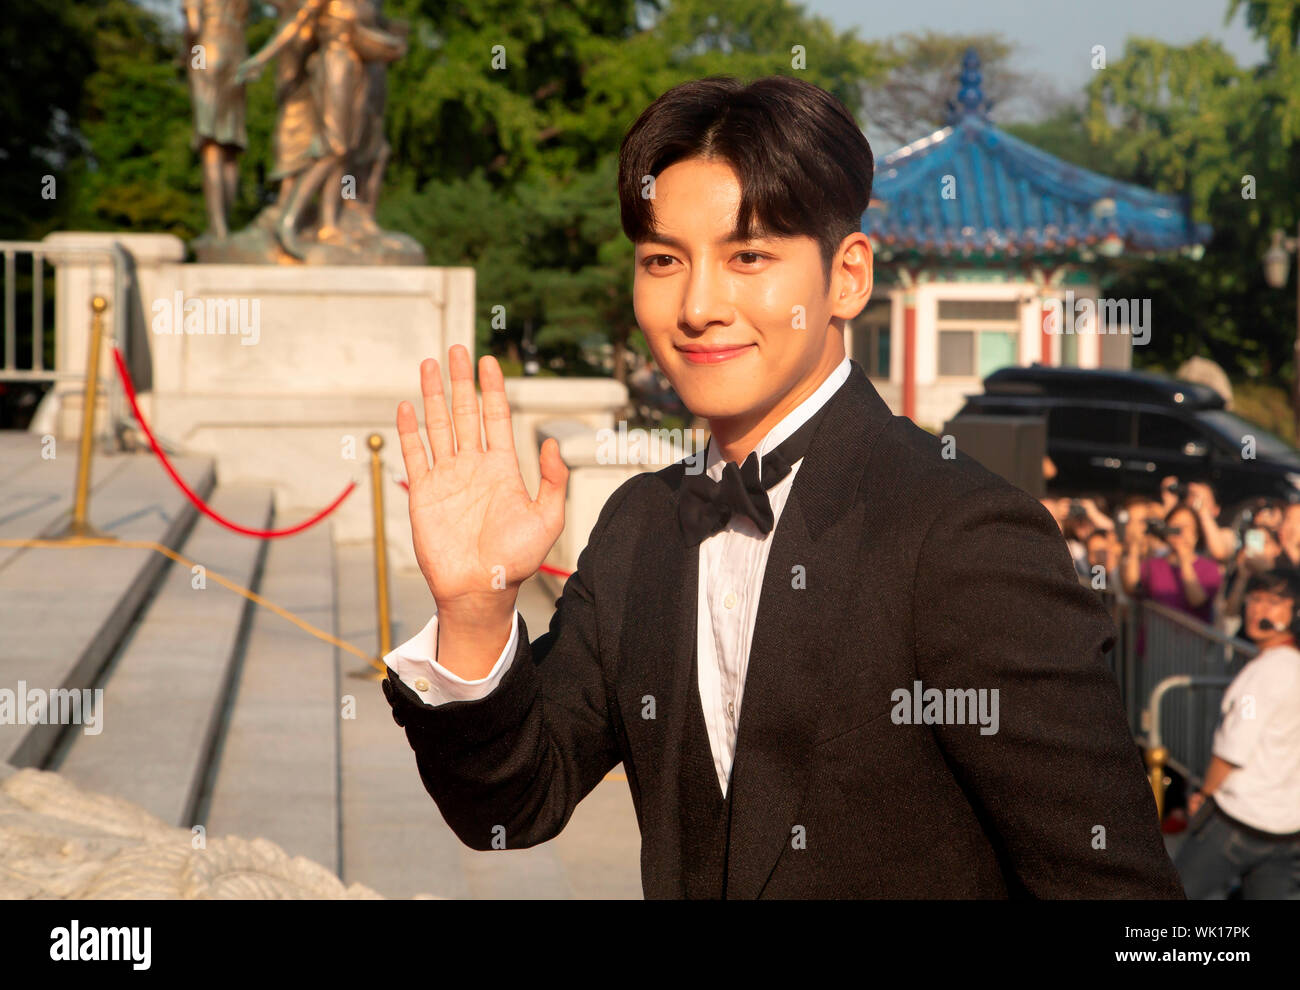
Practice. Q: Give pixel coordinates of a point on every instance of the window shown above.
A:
(881, 353)
(871, 339)
(1070, 349)
(1088, 424)
(957, 352)
(966, 353)
(997, 349)
(977, 336)
(999, 310)
(1161, 432)
(1234, 429)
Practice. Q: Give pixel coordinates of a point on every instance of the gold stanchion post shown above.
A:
(1156, 759)
(376, 444)
(80, 524)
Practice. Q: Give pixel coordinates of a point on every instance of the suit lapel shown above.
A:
(659, 639)
(794, 636)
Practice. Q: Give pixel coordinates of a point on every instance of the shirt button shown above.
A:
(421, 684)
(730, 600)
(731, 708)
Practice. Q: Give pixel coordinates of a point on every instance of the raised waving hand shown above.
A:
(477, 533)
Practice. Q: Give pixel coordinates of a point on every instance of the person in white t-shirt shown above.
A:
(1246, 819)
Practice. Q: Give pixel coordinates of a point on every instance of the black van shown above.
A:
(1114, 433)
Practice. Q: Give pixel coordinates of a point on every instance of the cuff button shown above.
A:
(421, 684)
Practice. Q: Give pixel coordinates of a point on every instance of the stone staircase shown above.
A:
(218, 713)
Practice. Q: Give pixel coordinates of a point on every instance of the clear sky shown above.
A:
(1054, 37)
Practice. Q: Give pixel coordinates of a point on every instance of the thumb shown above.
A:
(555, 476)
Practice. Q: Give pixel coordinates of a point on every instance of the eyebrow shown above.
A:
(733, 238)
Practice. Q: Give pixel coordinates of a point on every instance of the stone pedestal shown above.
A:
(84, 267)
(281, 374)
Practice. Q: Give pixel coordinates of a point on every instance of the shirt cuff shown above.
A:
(415, 662)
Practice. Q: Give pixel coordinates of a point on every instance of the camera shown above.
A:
(1178, 489)
(1161, 529)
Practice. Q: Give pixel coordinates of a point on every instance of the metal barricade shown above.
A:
(1157, 645)
(1158, 753)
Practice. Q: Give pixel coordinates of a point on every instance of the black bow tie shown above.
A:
(706, 506)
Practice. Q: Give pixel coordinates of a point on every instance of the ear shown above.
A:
(852, 276)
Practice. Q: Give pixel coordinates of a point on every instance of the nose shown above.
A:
(706, 300)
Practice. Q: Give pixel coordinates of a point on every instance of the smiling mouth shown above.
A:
(713, 356)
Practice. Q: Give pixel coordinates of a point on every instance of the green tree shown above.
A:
(1189, 120)
(47, 59)
(540, 139)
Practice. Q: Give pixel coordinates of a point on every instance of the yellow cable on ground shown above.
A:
(252, 596)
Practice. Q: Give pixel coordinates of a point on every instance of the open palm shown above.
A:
(477, 533)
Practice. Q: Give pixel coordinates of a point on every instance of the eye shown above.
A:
(750, 254)
(649, 262)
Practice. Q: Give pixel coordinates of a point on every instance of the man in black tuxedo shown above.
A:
(926, 710)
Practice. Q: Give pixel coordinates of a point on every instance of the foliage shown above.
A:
(1189, 120)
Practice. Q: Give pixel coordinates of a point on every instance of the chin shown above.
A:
(713, 401)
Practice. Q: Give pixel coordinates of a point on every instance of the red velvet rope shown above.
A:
(545, 568)
(266, 534)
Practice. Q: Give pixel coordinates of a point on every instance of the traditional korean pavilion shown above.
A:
(982, 244)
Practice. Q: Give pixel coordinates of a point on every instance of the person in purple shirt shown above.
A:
(1174, 572)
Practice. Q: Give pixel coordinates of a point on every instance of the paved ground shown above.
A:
(394, 838)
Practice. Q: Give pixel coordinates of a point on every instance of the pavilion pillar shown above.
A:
(1045, 316)
(909, 355)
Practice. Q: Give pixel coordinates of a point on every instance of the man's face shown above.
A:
(1269, 605)
(764, 300)
(1098, 549)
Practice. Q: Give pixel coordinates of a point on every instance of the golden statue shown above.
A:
(330, 153)
(214, 39)
(295, 126)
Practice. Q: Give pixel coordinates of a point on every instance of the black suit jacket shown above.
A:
(914, 568)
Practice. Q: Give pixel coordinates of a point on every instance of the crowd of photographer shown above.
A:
(1180, 550)
(1242, 575)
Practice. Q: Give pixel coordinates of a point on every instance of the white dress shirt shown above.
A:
(732, 563)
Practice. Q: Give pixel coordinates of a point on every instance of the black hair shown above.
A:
(1281, 581)
(803, 164)
(1200, 532)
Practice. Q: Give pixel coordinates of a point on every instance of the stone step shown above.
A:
(36, 492)
(165, 694)
(277, 766)
(63, 612)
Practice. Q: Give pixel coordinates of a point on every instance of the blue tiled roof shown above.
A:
(1009, 198)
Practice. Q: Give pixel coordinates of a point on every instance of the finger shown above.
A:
(496, 408)
(436, 421)
(550, 494)
(464, 401)
(408, 435)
